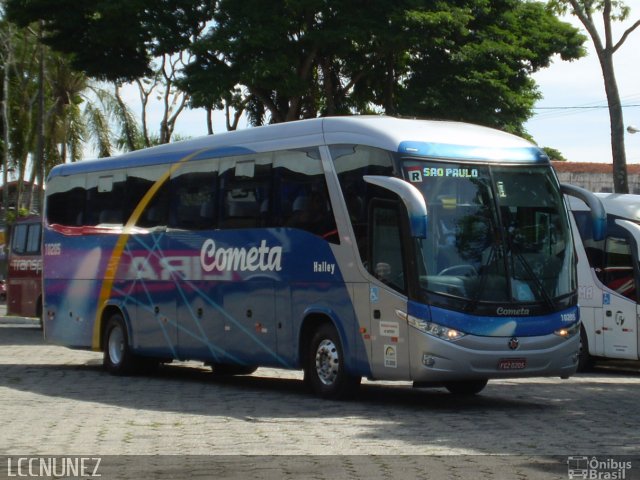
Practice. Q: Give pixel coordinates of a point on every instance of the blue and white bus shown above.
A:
(429, 251)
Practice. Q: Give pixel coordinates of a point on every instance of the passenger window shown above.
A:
(302, 199)
(33, 238)
(66, 200)
(105, 199)
(618, 273)
(139, 181)
(246, 188)
(193, 196)
(19, 238)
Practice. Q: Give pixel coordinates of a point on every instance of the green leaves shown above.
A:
(285, 60)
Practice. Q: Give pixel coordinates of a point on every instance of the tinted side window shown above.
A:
(139, 180)
(66, 200)
(618, 273)
(34, 232)
(302, 199)
(245, 189)
(105, 199)
(352, 163)
(193, 196)
(611, 258)
(19, 239)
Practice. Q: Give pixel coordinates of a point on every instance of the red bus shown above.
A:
(24, 285)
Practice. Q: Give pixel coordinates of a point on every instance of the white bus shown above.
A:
(608, 279)
(348, 247)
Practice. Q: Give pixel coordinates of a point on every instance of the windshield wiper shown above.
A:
(473, 302)
(536, 281)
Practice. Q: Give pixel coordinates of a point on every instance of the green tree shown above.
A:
(463, 60)
(482, 72)
(278, 61)
(554, 154)
(76, 111)
(114, 40)
(20, 69)
(611, 11)
(141, 41)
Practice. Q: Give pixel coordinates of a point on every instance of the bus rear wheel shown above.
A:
(324, 369)
(117, 358)
(466, 387)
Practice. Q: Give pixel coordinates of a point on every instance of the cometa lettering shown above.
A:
(512, 311)
(263, 258)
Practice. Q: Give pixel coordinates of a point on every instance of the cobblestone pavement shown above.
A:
(57, 401)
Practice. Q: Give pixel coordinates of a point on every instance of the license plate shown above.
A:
(512, 364)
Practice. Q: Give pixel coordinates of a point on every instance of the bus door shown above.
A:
(619, 299)
(388, 301)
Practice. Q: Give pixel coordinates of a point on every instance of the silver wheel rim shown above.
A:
(327, 362)
(116, 345)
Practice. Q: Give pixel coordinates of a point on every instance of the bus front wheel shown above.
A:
(324, 369)
(585, 361)
(118, 358)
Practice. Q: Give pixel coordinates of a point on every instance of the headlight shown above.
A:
(568, 332)
(431, 328)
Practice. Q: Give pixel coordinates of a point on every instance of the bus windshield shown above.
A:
(495, 234)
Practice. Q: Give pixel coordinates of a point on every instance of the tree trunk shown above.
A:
(41, 120)
(583, 9)
(5, 138)
(620, 182)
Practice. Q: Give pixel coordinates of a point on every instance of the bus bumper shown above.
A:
(474, 357)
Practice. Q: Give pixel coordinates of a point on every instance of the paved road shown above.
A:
(56, 401)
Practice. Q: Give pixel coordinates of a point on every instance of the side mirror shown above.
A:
(411, 197)
(598, 214)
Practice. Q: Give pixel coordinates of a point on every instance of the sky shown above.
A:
(583, 134)
(561, 120)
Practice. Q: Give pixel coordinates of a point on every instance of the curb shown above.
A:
(19, 321)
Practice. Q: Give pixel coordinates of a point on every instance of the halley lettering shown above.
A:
(263, 258)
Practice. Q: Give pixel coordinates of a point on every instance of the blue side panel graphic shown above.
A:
(224, 297)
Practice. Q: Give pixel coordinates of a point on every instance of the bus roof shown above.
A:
(622, 205)
(429, 138)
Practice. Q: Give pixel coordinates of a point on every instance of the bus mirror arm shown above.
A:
(411, 197)
(598, 214)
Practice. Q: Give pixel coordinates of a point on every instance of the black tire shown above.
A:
(117, 359)
(466, 387)
(324, 369)
(585, 361)
(39, 313)
(223, 369)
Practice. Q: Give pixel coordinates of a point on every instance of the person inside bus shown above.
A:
(310, 213)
